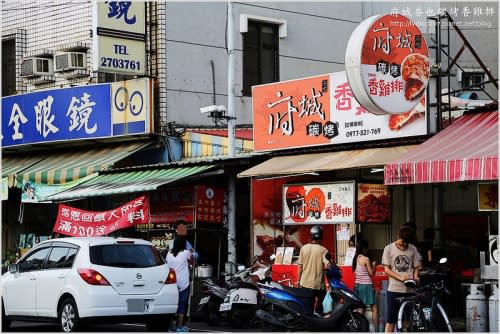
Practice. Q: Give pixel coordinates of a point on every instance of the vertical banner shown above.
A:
(210, 204)
(80, 223)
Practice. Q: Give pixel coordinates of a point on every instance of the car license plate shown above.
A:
(204, 300)
(225, 307)
(138, 305)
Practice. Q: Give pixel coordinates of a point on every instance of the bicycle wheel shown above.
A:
(410, 318)
(440, 321)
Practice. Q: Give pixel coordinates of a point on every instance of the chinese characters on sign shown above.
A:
(389, 70)
(120, 37)
(61, 114)
(80, 223)
(326, 203)
(210, 205)
(335, 117)
(86, 112)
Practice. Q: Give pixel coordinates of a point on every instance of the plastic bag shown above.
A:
(327, 303)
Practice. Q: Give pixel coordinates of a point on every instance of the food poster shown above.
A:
(487, 195)
(267, 222)
(325, 203)
(373, 204)
(321, 111)
(387, 63)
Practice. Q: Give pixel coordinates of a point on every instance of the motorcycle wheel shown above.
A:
(211, 314)
(354, 322)
(239, 317)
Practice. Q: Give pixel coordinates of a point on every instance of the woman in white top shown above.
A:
(179, 259)
(364, 270)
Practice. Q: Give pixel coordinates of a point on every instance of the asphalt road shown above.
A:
(20, 326)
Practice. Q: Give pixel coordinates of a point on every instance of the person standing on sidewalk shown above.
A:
(363, 270)
(401, 262)
(179, 259)
(314, 261)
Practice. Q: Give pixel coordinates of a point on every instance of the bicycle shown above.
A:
(423, 312)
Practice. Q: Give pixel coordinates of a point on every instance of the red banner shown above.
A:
(80, 223)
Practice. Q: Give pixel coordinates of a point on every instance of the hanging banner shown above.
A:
(373, 204)
(327, 203)
(80, 223)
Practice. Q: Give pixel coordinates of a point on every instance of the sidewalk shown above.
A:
(458, 324)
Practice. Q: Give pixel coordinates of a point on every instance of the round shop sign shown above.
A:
(387, 64)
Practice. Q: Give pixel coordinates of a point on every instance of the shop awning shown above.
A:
(466, 150)
(77, 163)
(16, 164)
(319, 162)
(126, 182)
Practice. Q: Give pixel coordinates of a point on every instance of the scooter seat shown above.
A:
(242, 285)
(300, 292)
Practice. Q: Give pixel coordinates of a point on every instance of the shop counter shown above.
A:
(349, 278)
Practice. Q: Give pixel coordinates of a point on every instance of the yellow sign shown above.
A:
(487, 194)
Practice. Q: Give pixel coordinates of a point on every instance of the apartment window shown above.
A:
(8, 67)
(472, 80)
(260, 55)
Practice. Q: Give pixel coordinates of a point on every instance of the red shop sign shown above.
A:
(80, 223)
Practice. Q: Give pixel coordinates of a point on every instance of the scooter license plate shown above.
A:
(204, 300)
(224, 307)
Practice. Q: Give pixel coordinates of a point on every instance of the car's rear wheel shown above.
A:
(68, 316)
(5, 321)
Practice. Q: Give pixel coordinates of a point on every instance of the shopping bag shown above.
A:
(327, 303)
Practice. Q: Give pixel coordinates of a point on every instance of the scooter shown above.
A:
(237, 288)
(242, 299)
(290, 309)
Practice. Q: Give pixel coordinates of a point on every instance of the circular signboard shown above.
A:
(387, 64)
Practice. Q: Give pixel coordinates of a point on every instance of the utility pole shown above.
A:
(231, 212)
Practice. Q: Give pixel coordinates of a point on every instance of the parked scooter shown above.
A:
(238, 289)
(242, 299)
(290, 309)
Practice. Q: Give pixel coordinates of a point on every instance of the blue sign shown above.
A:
(57, 115)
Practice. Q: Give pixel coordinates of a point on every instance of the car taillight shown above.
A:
(171, 277)
(92, 277)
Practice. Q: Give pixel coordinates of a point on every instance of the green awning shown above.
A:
(77, 163)
(13, 164)
(126, 182)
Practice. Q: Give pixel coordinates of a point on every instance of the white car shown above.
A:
(75, 281)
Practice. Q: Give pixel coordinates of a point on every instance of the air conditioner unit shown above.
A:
(36, 66)
(68, 61)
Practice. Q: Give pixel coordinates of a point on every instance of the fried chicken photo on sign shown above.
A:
(415, 72)
(396, 122)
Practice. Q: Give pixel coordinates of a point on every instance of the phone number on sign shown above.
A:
(364, 132)
(120, 63)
